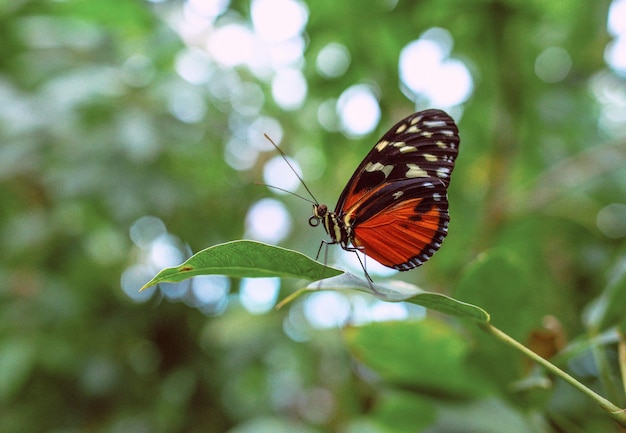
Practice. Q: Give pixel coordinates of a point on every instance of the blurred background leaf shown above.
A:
(131, 136)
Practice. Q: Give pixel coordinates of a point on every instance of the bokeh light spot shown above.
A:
(616, 24)
(553, 64)
(615, 55)
(278, 20)
(277, 173)
(194, 66)
(145, 230)
(458, 84)
(268, 221)
(209, 290)
(231, 45)
(164, 252)
(289, 88)
(359, 111)
(258, 295)
(429, 76)
(373, 267)
(240, 154)
(327, 310)
(333, 60)
(208, 8)
(133, 278)
(385, 311)
(615, 52)
(261, 126)
(187, 105)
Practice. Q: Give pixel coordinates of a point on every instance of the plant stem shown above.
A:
(290, 298)
(618, 414)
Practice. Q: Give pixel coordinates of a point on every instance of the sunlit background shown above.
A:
(132, 135)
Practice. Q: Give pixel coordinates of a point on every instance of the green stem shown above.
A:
(290, 298)
(618, 414)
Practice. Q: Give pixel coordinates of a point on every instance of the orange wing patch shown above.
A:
(400, 238)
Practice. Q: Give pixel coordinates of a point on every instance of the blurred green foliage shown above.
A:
(89, 143)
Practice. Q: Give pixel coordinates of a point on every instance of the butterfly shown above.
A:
(394, 208)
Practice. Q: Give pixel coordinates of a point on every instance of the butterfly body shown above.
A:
(394, 208)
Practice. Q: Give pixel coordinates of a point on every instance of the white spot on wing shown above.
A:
(381, 145)
(401, 128)
(377, 166)
(415, 170)
(443, 172)
(434, 123)
(430, 157)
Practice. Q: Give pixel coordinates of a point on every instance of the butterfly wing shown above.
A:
(396, 200)
(402, 224)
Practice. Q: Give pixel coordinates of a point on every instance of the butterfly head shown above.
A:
(320, 211)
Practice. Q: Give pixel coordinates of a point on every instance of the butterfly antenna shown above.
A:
(292, 169)
(286, 191)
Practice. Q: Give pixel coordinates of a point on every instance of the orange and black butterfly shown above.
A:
(394, 208)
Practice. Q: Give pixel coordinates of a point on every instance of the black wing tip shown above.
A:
(417, 260)
(433, 113)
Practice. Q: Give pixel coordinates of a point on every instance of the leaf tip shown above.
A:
(145, 286)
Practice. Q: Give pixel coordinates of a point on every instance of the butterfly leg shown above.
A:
(362, 263)
(319, 250)
(356, 251)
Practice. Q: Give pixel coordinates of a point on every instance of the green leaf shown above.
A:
(404, 412)
(428, 354)
(486, 415)
(499, 281)
(246, 259)
(399, 291)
